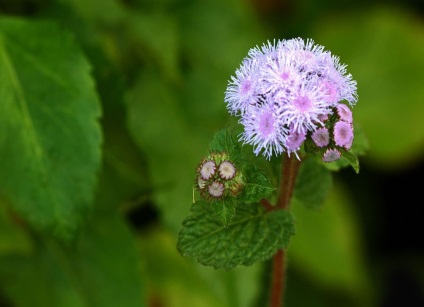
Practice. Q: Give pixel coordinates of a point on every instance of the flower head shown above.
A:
(227, 170)
(216, 189)
(294, 140)
(344, 112)
(207, 169)
(284, 89)
(263, 130)
(343, 134)
(321, 137)
(331, 155)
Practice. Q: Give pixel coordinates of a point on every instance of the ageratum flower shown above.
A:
(284, 90)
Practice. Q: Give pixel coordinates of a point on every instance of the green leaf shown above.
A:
(312, 184)
(253, 235)
(351, 159)
(49, 131)
(223, 141)
(13, 239)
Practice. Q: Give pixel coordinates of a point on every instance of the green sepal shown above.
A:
(310, 147)
(253, 235)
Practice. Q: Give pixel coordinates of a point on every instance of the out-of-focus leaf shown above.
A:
(217, 36)
(389, 77)
(253, 235)
(157, 34)
(13, 239)
(172, 148)
(200, 286)
(49, 132)
(100, 270)
(104, 12)
(313, 184)
(327, 245)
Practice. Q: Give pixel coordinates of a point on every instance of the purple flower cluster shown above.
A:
(284, 92)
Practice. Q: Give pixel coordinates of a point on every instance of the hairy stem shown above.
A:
(289, 168)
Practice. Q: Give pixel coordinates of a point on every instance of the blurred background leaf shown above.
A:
(49, 123)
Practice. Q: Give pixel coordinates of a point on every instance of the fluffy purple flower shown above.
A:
(241, 91)
(331, 155)
(343, 134)
(344, 113)
(263, 130)
(294, 140)
(321, 137)
(286, 85)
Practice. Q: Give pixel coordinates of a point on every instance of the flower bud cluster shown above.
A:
(217, 177)
(335, 133)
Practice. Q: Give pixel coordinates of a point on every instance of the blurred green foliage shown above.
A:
(106, 107)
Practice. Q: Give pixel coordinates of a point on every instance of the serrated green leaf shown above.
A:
(257, 185)
(253, 235)
(49, 131)
(312, 184)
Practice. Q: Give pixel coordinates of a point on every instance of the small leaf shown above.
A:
(257, 185)
(351, 159)
(223, 141)
(313, 184)
(253, 235)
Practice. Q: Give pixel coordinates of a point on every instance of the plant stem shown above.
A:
(289, 169)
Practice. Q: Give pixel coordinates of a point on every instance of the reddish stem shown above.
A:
(266, 204)
(289, 169)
